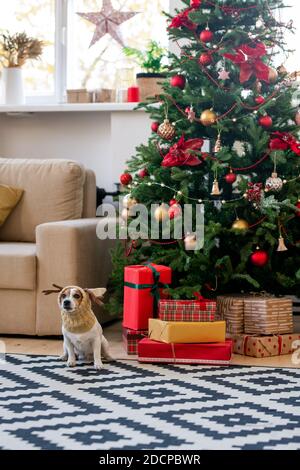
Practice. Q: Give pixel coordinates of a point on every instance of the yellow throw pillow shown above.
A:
(9, 198)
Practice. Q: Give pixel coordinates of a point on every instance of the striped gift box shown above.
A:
(202, 310)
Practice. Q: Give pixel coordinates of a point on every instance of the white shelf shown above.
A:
(67, 108)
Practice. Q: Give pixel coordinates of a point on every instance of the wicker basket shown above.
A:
(150, 84)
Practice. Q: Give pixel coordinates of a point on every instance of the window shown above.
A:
(68, 61)
(37, 19)
(97, 66)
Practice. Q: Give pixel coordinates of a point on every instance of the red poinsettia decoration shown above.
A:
(182, 19)
(182, 154)
(284, 141)
(250, 61)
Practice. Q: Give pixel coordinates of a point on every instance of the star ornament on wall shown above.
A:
(108, 21)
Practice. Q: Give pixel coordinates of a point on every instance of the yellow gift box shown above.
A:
(187, 332)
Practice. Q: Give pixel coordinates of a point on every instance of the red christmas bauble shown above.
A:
(205, 59)
(206, 35)
(174, 211)
(125, 179)
(195, 3)
(143, 173)
(260, 258)
(266, 121)
(298, 207)
(259, 100)
(155, 126)
(173, 202)
(230, 178)
(178, 81)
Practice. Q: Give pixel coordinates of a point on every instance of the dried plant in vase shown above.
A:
(16, 49)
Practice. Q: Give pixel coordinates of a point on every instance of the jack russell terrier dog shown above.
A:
(82, 333)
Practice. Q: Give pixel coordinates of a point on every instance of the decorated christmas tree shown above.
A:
(223, 135)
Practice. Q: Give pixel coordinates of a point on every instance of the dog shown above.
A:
(82, 333)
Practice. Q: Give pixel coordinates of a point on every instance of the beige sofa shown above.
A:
(49, 238)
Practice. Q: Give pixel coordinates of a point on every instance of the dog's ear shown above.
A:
(96, 295)
(57, 290)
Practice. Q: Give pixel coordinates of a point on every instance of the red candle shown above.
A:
(133, 94)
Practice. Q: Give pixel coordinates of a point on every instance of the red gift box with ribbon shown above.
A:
(200, 310)
(131, 338)
(143, 286)
(206, 354)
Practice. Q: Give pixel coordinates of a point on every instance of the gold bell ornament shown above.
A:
(166, 130)
(190, 242)
(215, 189)
(297, 118)
(218, 144)
(129, 201)
(281, 244)
(161, 213)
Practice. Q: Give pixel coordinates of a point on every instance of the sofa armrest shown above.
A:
(68, 253)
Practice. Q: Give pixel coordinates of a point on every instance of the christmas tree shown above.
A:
(223, 88)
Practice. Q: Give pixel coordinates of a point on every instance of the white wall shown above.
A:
(102, 141)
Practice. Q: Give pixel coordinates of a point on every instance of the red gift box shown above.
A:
(143, 284)
(200, 310)
(131, 339)
(208, 354)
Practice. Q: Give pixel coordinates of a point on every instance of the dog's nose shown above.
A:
(67, 304)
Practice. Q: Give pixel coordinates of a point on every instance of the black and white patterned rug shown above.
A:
(44, 405)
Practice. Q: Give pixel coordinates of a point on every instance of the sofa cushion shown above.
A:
(53, 191)
(9, 198)
(18, 266)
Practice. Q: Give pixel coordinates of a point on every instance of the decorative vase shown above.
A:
(14, 88)
(150, 84)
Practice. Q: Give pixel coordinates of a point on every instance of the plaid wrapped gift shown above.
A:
(200, 310)
(131, 340)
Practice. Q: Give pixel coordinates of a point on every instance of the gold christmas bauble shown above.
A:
(273, 75)
(129, 201)
(208, 117)
(297, 118)
(166, 130)
(161, 213)
(240, 224)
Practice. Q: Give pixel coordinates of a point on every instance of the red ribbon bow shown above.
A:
(285, 141)
(249, 60)
(180, 153)
(182, 19)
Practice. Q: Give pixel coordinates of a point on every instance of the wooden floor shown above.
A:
(53, 347)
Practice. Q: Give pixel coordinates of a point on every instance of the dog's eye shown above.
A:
(77, 296)
(63, 296)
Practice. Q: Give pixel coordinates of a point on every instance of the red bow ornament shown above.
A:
(249, 60)
(182, 19)
(285, 141)
(181, 153)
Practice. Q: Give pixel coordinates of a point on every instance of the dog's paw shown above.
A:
(71, 363)
(110, 359)
(98, 365)
(63, 358)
